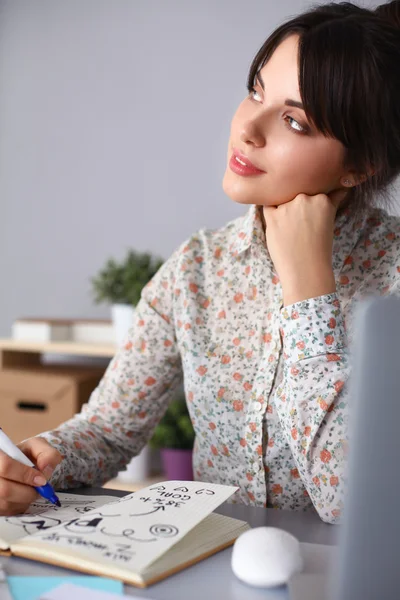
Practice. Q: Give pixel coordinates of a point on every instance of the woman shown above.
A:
(257, 316)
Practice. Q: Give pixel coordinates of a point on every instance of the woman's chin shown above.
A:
(243, 190)
(240, 192)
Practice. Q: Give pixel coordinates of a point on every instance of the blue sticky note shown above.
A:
(31, 588)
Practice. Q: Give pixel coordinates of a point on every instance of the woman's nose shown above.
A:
(251, 133)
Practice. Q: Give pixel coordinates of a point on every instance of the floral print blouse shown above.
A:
(265, 384)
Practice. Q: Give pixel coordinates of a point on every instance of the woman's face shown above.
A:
(293, 157)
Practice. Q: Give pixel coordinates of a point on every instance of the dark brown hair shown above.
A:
(349, 81)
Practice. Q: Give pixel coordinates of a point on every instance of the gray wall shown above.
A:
(114, 122)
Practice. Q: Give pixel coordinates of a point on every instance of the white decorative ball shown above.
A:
(266, 557)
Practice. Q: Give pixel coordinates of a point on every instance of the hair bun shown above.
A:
(390, 11)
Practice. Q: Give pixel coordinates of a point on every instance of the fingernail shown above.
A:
(39, 480)
(48, 471)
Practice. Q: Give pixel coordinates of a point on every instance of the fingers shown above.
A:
(336, 197)
(8, 509)
(16, 485)
(18, 482)
(16, 493)
(42, 454)
(12, 470)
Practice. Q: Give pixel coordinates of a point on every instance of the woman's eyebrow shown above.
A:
(288, 101)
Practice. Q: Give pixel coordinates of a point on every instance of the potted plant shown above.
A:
(120, 285)
(174, 436)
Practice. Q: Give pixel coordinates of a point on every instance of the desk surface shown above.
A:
(210, 579)
(73, 348)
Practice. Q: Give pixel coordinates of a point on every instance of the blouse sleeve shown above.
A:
(312, 400)
(131, 398)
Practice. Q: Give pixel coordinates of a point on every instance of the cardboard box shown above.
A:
(33, 400)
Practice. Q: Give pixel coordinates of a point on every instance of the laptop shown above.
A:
(366, 563)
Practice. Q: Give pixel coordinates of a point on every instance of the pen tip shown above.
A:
(58, 503)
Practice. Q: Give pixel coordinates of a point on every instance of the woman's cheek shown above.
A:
(283, 158)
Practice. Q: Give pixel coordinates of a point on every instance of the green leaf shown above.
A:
(175, 429)
(122, 282)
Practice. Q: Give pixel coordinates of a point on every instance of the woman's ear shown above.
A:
(363, 178)
(355, 179)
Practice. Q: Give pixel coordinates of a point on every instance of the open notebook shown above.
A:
(139, 539)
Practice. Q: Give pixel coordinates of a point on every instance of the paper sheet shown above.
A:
(41, 515)
(31, 588)
(132, 532)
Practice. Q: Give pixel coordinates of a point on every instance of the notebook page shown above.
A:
(41, 516)
(215, 531)
(134, 531)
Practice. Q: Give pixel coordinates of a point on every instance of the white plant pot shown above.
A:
(138, 469)
(122, 318)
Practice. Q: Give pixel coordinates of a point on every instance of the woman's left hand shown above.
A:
(299, 237)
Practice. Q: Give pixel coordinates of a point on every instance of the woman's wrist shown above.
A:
(308, 285)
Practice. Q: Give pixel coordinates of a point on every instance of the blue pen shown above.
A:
(6, 445)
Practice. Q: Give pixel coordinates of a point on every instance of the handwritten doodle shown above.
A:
(182, 498)
(88, 524)
(31, 523)
(78, 505)
(132, 531)
(158, 531)
(116, 552)
(165, 499)
(123, 499)
(149, 512)
(164, 531)
(121, 553)
(127, 533)
(91, 524)
(75, 540)
(41, 516)
(85, 526)
(83, 509)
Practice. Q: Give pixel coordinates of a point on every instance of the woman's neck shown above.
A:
(261, 215)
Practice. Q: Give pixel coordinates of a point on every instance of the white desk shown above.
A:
(210, 579)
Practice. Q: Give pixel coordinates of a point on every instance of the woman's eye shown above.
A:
(253, 93)
(290, 122)
(299, 128)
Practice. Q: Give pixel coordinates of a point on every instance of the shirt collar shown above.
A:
(247, 231)
(349, 226)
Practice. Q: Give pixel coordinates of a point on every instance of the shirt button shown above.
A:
(258, 407)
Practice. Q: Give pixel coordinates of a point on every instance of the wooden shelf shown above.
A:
(135, 486)
(76, 348)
